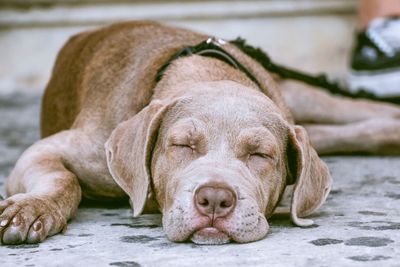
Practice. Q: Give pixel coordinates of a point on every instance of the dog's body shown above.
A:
(205, 134)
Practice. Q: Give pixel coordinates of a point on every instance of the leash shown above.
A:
(212, 47)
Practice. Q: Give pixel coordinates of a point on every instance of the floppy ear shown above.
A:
(311, 177)
(128, 152)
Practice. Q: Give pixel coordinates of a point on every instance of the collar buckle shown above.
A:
(215, 41)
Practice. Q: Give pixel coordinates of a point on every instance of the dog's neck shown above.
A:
(184, 72)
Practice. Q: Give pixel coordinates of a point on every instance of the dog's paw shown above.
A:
(29, 219)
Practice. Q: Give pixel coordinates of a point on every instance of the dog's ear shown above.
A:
(128, 152)
(310, 175)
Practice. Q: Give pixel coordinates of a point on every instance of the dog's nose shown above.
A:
(215, 201)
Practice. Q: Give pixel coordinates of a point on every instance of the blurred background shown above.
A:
(312, 35)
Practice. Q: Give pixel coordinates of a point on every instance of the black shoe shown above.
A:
(375, 63)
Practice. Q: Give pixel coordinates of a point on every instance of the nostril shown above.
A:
(203, 202)
(225, 204)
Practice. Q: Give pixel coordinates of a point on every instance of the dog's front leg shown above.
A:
(43, 192)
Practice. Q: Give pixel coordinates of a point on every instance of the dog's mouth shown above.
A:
(210, 236)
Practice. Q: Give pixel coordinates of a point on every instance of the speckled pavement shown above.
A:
(358, 226)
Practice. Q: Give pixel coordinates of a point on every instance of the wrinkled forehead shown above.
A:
(227, 113)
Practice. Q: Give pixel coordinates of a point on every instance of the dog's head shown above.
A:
(217, 162)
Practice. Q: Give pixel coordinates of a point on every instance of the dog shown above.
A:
(209, 147)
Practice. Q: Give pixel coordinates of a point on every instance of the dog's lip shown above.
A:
(210, 236)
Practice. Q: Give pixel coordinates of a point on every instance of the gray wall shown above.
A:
(314, 35)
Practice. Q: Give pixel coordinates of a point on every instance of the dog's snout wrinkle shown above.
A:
(215, 201)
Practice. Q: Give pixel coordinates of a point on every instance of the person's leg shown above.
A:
(372, 9)
(375, 60)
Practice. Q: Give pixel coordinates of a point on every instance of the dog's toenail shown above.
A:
(37, 226)
(3, 223)
(16, 221)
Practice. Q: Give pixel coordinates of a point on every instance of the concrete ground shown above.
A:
(360, 222)
(358, 226)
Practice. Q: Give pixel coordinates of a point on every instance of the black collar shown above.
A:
(212, 47)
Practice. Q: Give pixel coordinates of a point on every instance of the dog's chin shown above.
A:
(210, 236)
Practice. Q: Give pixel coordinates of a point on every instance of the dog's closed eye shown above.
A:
(260, 155)
(256, 143)
(186, 137)
(183, 148)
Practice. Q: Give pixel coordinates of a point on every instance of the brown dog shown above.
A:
(207, 146)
